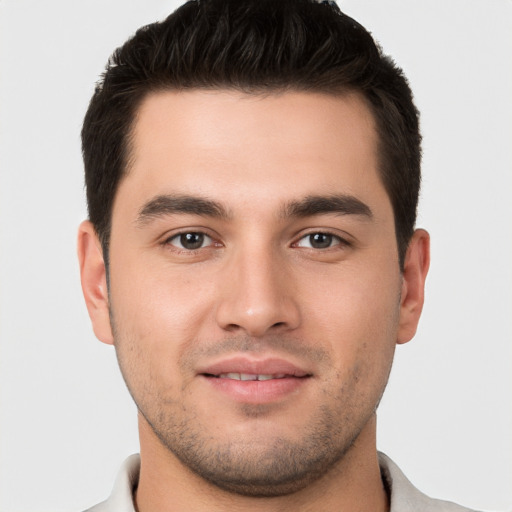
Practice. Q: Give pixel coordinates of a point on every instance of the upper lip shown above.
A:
(268, 366)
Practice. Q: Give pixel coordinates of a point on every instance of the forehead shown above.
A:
(241, 145)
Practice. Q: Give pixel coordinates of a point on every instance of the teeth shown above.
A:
(268, 377)
(250, 376)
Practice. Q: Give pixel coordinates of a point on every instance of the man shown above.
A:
(252, 172)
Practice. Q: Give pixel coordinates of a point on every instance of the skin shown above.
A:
(257, 287)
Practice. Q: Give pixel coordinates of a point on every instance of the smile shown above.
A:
(250, 376)
(244, 379)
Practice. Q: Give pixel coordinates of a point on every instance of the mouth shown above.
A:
(253, 381)
(249, 376)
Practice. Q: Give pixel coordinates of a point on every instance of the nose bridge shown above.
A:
(257, 293)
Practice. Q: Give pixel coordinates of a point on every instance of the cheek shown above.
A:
(158, 303)
(350, 304)
(356, 314)
(156, 318)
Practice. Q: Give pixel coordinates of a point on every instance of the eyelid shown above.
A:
(180, 246)
(165, 239)
(343, 239)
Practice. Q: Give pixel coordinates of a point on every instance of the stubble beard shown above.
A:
(256, 467)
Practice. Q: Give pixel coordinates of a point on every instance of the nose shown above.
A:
(257, 295)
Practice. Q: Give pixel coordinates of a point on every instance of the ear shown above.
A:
(93, 277)
(417, 261)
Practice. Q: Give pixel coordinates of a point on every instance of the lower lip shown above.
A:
(257, 391)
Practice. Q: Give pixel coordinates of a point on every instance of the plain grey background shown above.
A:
(66, 420)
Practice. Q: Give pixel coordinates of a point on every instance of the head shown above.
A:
(259, 47)
(252, 175)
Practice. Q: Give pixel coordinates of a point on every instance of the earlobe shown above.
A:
(94, 281)
(416, 266)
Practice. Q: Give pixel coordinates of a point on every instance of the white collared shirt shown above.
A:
(404, 496)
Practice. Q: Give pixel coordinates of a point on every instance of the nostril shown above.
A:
(279, 324)
(232, 327)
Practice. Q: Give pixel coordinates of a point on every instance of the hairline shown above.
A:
(261, 91)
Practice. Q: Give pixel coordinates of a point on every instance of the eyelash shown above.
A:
(339, 241)
(168, 241)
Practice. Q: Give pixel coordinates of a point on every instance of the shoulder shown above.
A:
(405, 497)
(121, 498)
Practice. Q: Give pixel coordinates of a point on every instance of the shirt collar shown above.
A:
(404, 497)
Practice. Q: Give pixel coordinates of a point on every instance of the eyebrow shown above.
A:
(317, 205)
(163, 205)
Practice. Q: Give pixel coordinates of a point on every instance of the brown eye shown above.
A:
(319, 241)
(190, 241)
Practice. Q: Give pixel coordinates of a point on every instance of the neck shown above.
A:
(354, 483)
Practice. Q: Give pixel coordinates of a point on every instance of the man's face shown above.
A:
(255, 291)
